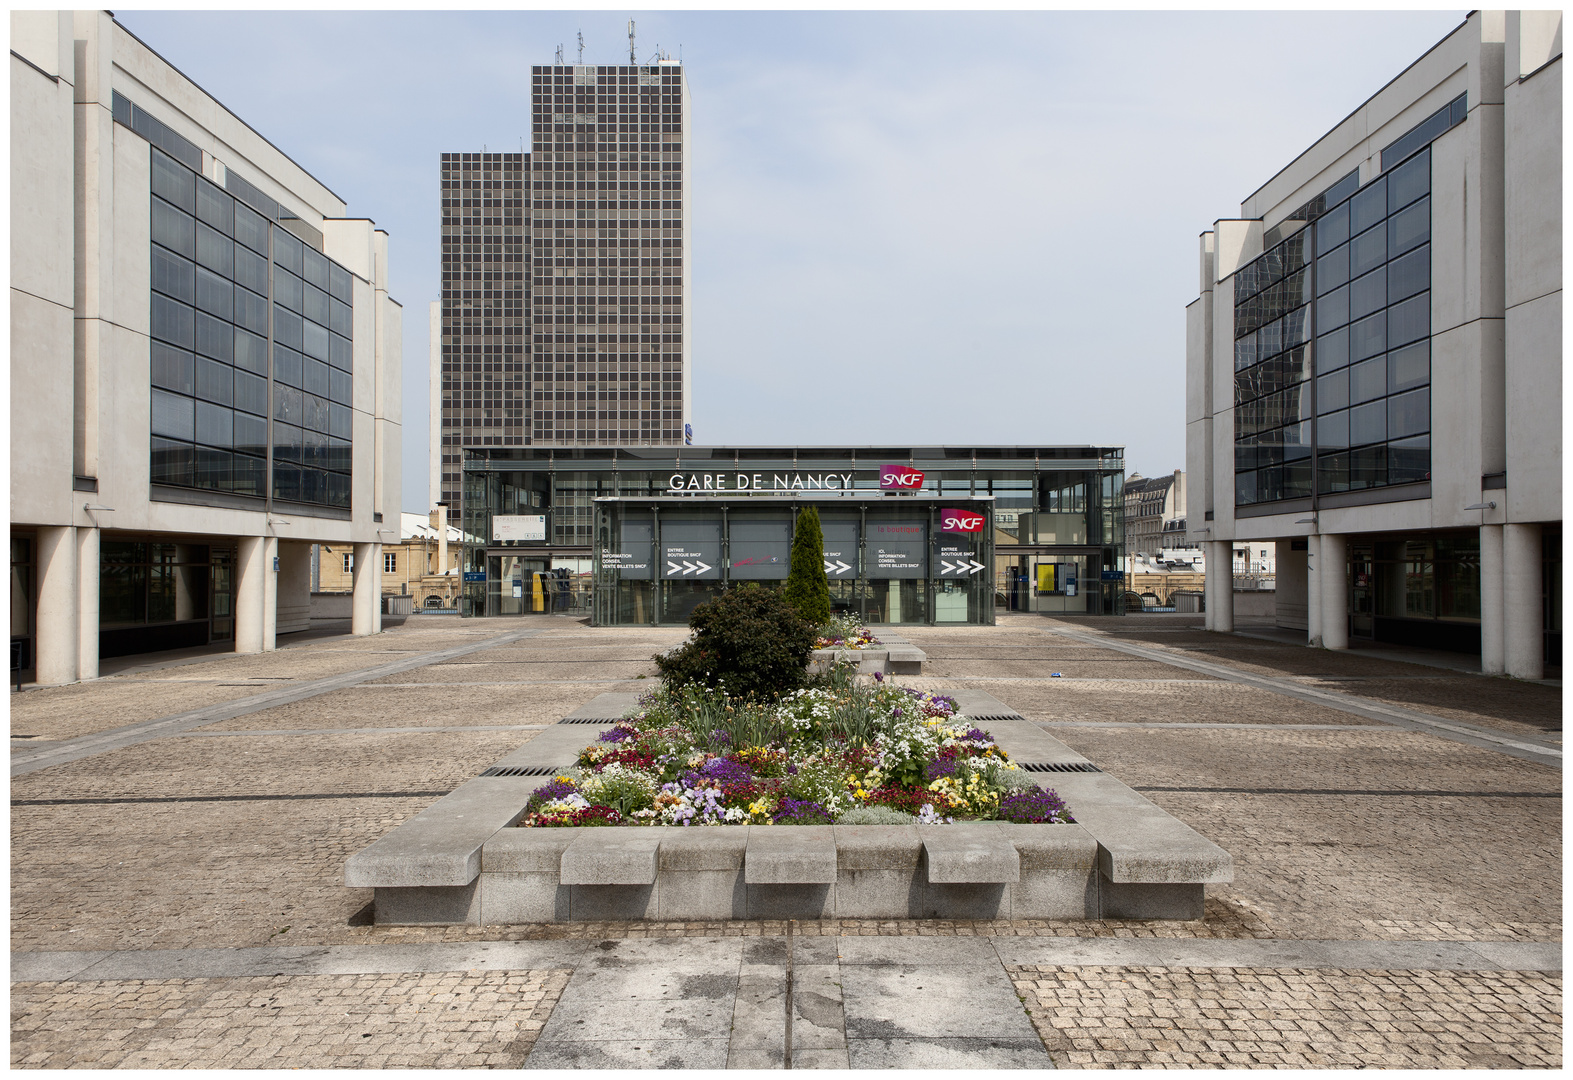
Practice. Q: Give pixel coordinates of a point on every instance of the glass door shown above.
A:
(1362, 591)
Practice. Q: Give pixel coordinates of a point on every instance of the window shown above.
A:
(349, 562)
(390, 562)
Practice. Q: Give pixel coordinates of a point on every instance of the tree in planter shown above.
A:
(748, 640)
(807, 588)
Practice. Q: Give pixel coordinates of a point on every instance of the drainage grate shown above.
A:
(524, 770)
(588, 720)
(993, 716)
(1060, 766)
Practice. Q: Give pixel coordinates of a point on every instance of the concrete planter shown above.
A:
(461, 861)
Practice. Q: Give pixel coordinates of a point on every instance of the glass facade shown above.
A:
(1332, 344)
(252, 358)
(642, 534)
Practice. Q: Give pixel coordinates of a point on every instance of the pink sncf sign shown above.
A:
(900, 478)
(960, 521)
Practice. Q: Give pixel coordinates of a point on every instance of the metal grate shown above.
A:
(993, 716)
(1060, 766)
(603, 720)
(523, 770)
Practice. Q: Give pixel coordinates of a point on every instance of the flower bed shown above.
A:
(845, 632)
(841, 754)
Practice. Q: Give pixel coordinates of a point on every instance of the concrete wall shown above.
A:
(1290, 603)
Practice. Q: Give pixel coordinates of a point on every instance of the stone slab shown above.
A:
(442, 844)
(904, 1001)
(610, 706)
(630, 1054)
(611, 856)
(878, 847)
(791, 855)
(535, 850)
(1139, 842)
(969, 853)
(703, 849)
(961, 1053)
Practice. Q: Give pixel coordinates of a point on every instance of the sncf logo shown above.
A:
(960, 521)
(900, 477)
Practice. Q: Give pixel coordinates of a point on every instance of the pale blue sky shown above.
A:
(907, 227)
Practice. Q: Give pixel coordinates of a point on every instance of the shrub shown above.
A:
(748, 640)
(875, 815)
(807, 587)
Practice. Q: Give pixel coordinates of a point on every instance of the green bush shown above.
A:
(807, 588)
(748, 640)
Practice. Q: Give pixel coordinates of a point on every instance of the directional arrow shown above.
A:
(948, 567)
(837, 566)
(701, 567)
(976, 566)
(672, 568)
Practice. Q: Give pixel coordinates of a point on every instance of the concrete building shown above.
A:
(1154, 512)
(1374, 365)
(565, 293)
(204, 364)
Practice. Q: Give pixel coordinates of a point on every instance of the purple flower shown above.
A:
(619, 733)
(978, 735)
(1034, 807)
(879, 676)
(720, 737)
(801, 812)
(726, 772)
(936, 769)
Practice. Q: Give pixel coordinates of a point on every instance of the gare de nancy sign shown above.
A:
(891, 478)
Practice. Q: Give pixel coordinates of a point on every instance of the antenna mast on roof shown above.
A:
(581, 47)
(559, 56)
(632, 61)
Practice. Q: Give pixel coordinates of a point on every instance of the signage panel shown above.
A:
(475, 575)
(518, 527)
(953, 558)
(632, 558)
(761, 550)
(691, 550)
(1113, 575)
(900, 478)
(897, 549)
(961, 521)
(841, 548)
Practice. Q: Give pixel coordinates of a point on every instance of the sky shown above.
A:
(906, 228)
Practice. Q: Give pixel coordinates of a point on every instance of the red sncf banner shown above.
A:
(960, 521)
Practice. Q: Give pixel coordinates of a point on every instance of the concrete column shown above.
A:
(366, 602)
(1335, 591)
(442, 539)
(1491, 610)
(87, 569)
(56, 641)
(270, 594)
(1313, 591)
(1220, 578)
(251, 573)
(1523, 623)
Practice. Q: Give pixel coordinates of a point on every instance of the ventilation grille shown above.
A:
(588, 720)
(523, 770)
(1060, 766)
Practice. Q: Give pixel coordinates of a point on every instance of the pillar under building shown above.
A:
(1523, 641)
(56, 637)
(251, 600)
(1491, 607)
(1335, 591)
(87, 572)
(1220, 586)
(366, 599)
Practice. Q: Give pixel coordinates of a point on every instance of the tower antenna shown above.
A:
(632, 62)
(581, 47)
(559, 56)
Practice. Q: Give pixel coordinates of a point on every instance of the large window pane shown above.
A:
(1409, 274)
(1332, 431)
(173, 275)
(215, 425)
(1244, 488)
(250, 476)
(215, 337)
(174, 229)
(1332, 229)
(215, 382)
(1332, 310)
(286, 404)
(340, 352)
(172, 322)
(287, 251)
(314, 412)
(1332, 350)
(340, 386)
(215, 251)
(314, 340)
(251, 351)
(1332, 472)
(1367, 294)
(173, 181)
(213, 468)
(1409, 367)
(1332, 269)
(339, 421)
(315, 306)
(1368, 380)
(1410, 320)
(215, 295)
(287, 289)
(1367, 251)
(1369, 206)
(314, 378)
(1368, 423)
(251, 312)
(1368, 337)
(1409, 228)
(1409, 181)
(315, 268)
(339, 454)
(173, 416)
(286, 327)
(171, 462)
(251, 229)
(1368, 467)
(286, 481)
(340, 284)
(1409, 414)
(251, 434)
(251, 393)
(1409, 460)
(338, 490)
(172, 368)
(215, 207)
(1332, 392)
(286, 366)
(251, 270)
(287, 442)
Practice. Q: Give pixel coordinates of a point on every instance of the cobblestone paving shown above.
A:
(441, 1020)
(240, 841)
(1130, 1017)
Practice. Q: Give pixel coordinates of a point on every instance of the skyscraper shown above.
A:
(564, 273)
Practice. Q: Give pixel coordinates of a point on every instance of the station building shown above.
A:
(1374, 364)
(205, 364)
(913, 535)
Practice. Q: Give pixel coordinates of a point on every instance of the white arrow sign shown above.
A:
(976, 566)
(961, 568)
(948, 568)
(672, 568)
(700, 567)
(837, 567)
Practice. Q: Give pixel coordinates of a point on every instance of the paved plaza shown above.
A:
(179, 831)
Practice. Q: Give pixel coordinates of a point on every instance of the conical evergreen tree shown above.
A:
(807, 588)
